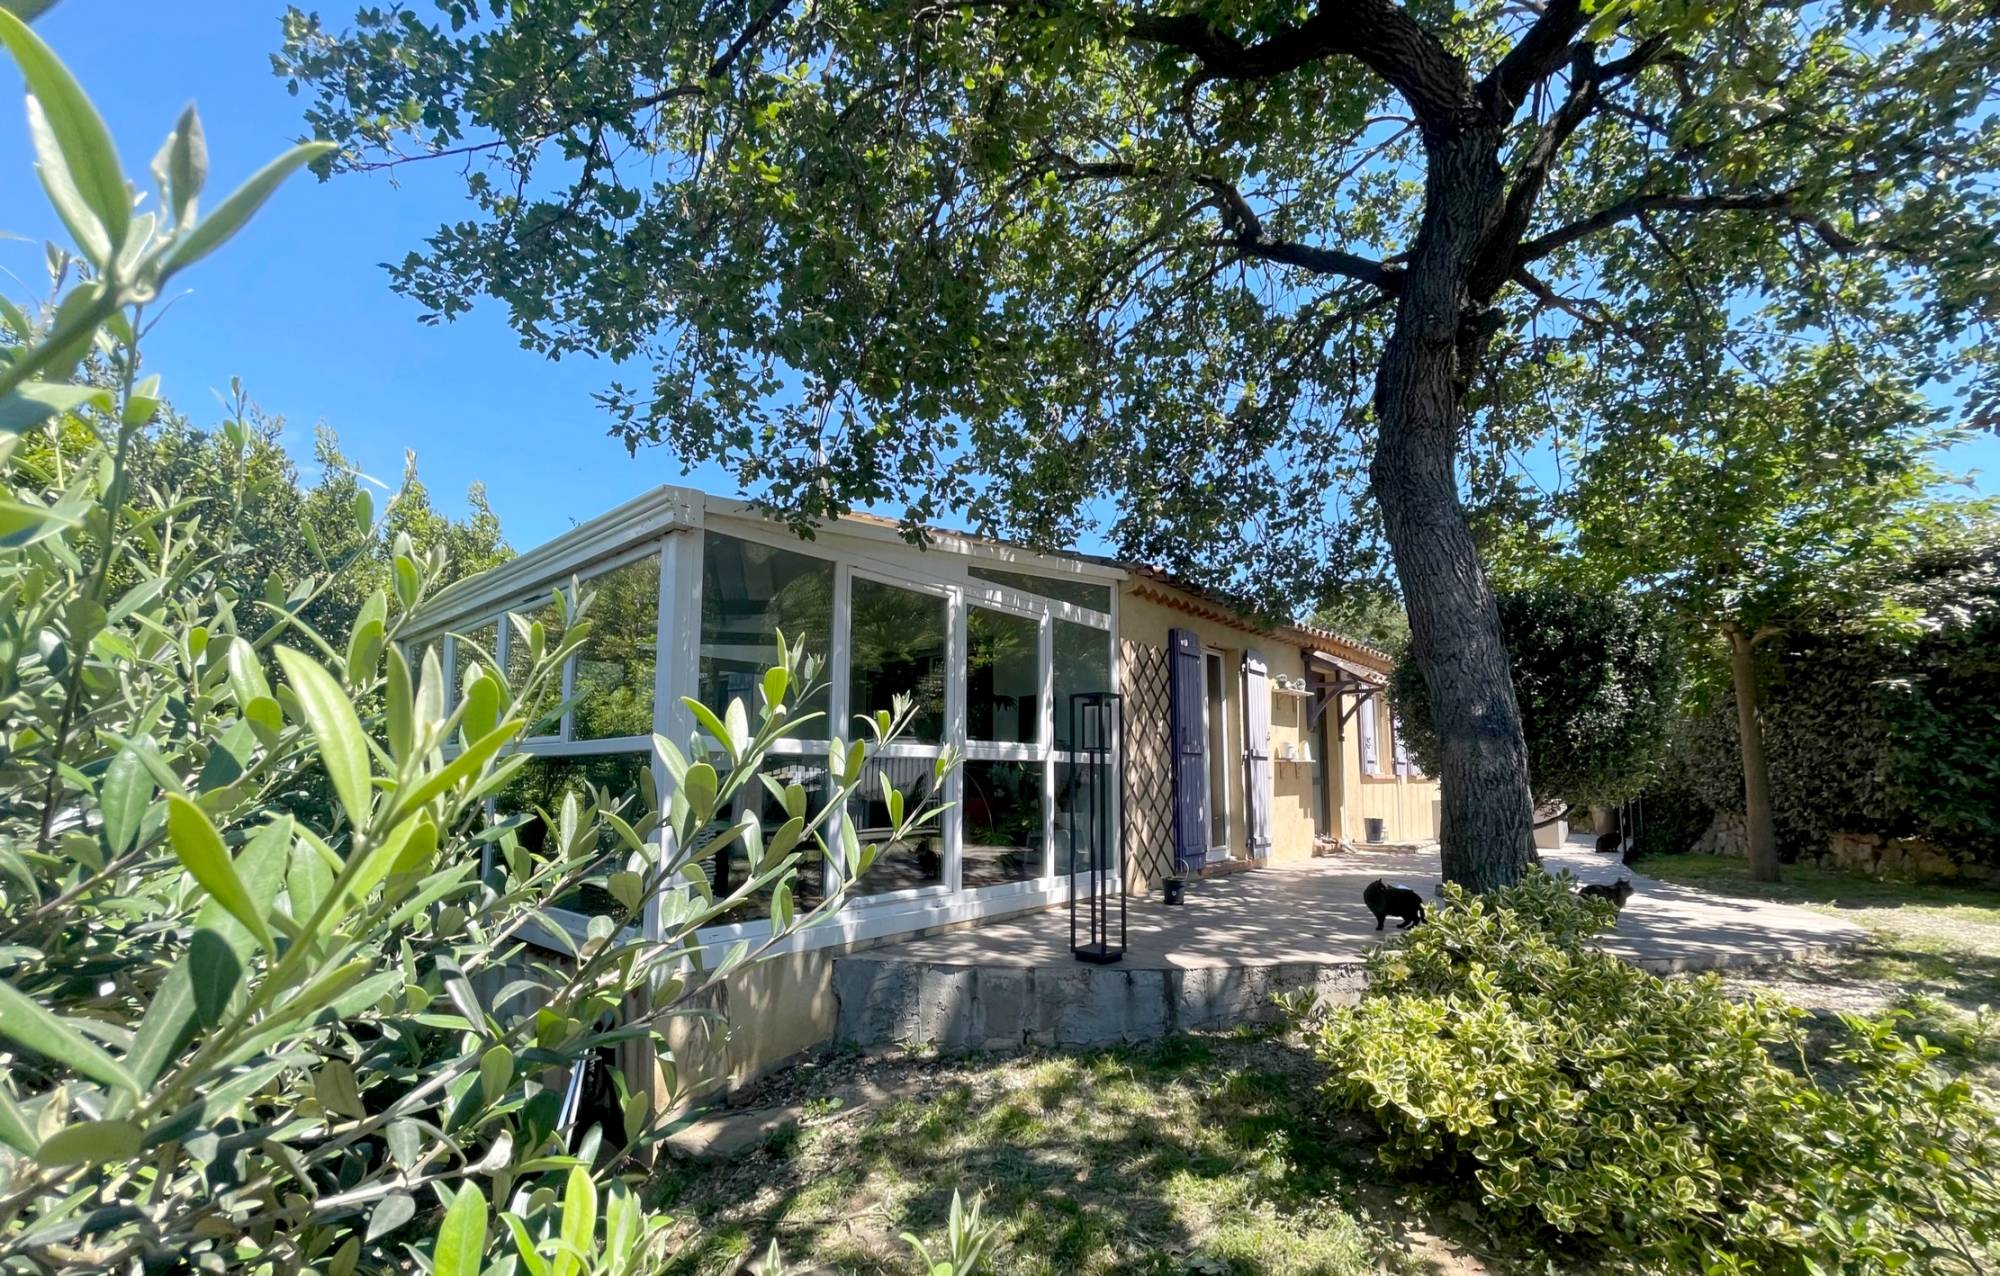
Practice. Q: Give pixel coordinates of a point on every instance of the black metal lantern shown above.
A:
(1096, 722)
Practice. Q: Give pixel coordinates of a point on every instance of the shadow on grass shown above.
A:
(1191, 1154)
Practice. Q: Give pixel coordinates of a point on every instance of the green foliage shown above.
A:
(1597, 679)
(967, 1239)
(1373, 615)
(1045, 263)
(1758, 499)
(1617, 1114)
(243, 1033)
(1874, 730)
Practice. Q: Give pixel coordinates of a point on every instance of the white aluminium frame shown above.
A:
(672, 523)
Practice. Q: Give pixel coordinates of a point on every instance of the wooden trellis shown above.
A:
(1149, 777)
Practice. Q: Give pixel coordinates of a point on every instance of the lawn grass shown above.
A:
(1196, 1154)
(1935, 954)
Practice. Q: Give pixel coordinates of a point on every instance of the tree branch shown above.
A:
(1534, 58)
(1247, 229)
(1320, 261)
(1783, 204)
(1379, 34)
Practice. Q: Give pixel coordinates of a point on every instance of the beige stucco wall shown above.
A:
(1143, 619)
(1408, 804)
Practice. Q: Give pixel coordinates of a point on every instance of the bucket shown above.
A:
(1176, 890)
(1376, 829)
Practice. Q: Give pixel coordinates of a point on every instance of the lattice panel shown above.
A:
(1149, 776)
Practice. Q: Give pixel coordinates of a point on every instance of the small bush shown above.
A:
(1617, 1114)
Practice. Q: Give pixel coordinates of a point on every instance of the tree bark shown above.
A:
(1759, 826)
(1487, 837)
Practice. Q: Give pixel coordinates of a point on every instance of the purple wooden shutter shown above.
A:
(1257, 751)
(1190, 743)
(1397, 751)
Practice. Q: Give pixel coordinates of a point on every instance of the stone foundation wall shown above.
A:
(1874, 854)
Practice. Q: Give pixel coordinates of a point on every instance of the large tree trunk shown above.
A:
(1487, 839)
(1759, 826)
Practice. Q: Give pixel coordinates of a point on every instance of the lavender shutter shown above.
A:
(1257, 751)
(1401, 754)
(1190, 766)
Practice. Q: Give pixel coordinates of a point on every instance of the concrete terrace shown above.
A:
(1216, 960)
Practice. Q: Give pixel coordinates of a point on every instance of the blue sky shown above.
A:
(298, 305)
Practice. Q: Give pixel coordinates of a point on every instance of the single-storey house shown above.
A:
(1242, 744)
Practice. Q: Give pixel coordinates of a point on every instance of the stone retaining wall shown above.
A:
(1874, 854)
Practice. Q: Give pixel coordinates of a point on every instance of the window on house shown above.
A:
(613, 681)
(730, 869)
(541, 708)
(535, 796)
(901, 864)
(480, 644)
(1003, 810)
(1078, 592)
(898, 646)
(750, 592)
(1003, 677)
(1082, 663)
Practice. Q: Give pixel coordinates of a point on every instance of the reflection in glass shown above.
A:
(1003, 683)
(1082, 663)
(471, 646)
(543, 782)
(541, 710)
(1073, 806)
(749, 593)
(729, 869)
(613, 683)
(1069, 590)
(898, 646)
(1218, 770)
(899, 865)
(1002, 810)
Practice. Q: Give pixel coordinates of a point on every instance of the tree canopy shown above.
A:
(1005, 258)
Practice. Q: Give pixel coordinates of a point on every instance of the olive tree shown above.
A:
(1256, 281)
(243, 1034)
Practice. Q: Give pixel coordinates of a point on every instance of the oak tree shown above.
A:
(1257, 285)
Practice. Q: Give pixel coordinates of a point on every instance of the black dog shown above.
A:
(1617, 894)
(1386, 901)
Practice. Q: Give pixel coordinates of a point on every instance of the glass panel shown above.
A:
(730, 869)
(1064, 589)
(898, 865)
(1082, 663)
(1003, 678)
(1002, 805)
(898, 646)
(470, 645)
(613, 685)
(540, 711)
(1075, 798)
(750, 592)
(543, 782)
(1218, 774)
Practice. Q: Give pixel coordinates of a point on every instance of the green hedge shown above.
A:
(1866, 732)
